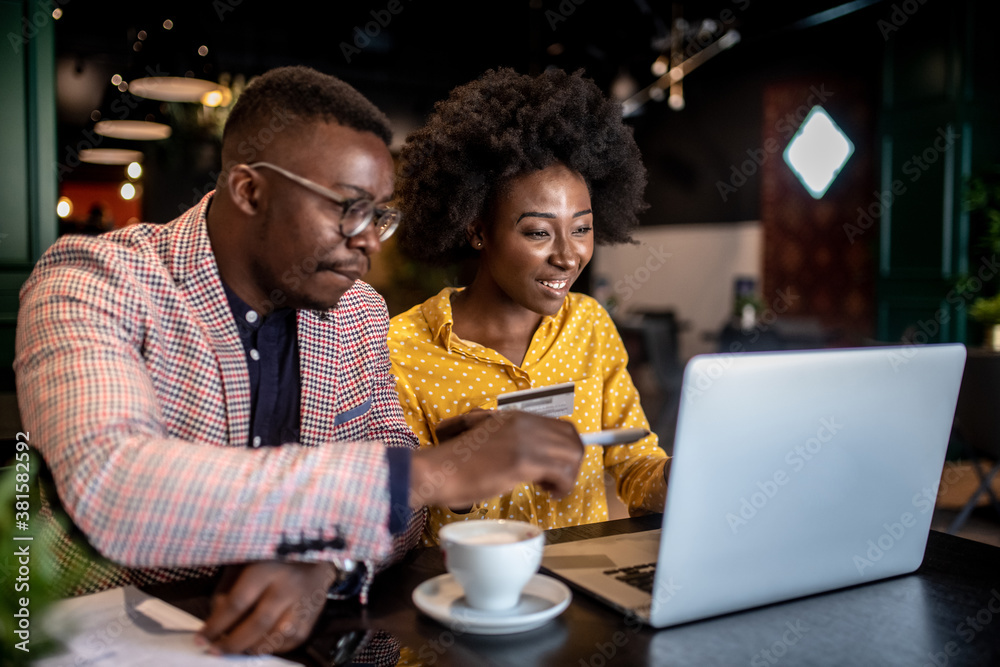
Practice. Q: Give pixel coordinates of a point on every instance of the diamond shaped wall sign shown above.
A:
(818, 151)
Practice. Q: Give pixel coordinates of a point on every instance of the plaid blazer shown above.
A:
(132, 381)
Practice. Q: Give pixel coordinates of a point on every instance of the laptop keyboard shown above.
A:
(640, 576)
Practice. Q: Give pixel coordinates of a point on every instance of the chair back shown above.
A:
(977, 414)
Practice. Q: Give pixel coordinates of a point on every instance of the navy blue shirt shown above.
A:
(271, 344)
(272, 349)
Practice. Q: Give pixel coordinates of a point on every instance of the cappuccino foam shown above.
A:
(490, 538)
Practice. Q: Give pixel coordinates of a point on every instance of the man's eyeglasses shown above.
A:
(357, 213)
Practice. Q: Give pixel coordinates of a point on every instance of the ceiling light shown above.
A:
(220, 97)
(110, 156)
(132, 129)
(173, 88)
(64, 207)
(818, 151)
(623, 85)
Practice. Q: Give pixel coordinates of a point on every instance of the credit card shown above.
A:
(614, 436)
(552, 401)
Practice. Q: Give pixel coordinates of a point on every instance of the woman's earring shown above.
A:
(479, 244)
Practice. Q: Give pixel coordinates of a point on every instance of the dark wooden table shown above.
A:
(947, 613)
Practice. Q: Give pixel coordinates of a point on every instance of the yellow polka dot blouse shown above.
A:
(439, 375)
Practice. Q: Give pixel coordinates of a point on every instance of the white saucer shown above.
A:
(442, 599)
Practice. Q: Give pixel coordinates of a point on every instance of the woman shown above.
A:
(525, 173)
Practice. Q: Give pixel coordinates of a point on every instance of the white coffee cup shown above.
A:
(492, 559)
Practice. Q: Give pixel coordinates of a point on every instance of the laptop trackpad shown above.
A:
(576, 562)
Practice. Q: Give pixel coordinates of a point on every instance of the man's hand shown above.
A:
(267, 607)
(491, 451)
(452, 427)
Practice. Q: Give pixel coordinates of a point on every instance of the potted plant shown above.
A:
(986, 311)
(32, 581)
(983, 204)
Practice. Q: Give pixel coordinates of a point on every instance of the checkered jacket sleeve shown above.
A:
(140, 408)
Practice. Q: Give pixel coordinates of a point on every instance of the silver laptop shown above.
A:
(794, 473)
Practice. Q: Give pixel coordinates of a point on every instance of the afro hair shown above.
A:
(505, 124)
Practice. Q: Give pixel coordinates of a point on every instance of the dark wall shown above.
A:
(697, 158)
(425, 50)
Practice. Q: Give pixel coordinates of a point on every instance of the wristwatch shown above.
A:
(347, 583)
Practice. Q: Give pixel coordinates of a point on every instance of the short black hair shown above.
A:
(303, 94)
(505, 124)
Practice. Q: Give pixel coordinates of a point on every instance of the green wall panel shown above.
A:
(15, 238)
(28, 187)
(938, 125)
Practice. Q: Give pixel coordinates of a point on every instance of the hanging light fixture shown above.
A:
(675, 74)
(676, 98)
(178, 89)
(110, 155)
(143, 130)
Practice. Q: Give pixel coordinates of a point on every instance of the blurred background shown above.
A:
(882, 229)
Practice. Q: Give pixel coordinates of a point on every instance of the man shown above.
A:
(217, 390)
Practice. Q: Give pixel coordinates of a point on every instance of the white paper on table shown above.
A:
(124, 627)
(169, 616)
